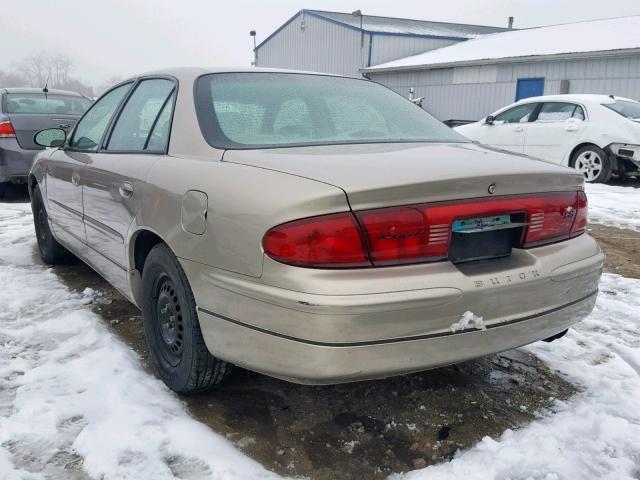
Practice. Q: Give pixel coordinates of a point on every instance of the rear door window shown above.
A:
(559, 111)
(138, 117)
(159, 138)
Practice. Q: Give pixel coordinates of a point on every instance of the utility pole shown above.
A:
(255, 51)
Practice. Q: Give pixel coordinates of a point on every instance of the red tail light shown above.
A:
(325, 241)
(556, 217)
(418, 233)
(6, 130)
(582, 215)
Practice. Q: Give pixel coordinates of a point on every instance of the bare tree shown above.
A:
(41, 68)
(36, 68)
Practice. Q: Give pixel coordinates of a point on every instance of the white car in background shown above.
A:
(599, 135)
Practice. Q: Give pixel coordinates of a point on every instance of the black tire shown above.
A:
(51, 252)
(171, 327)
(593, 163)
(3, 188)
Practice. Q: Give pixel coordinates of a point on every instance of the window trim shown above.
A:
(68, 146)
(155, 120)
(174, 91)
(568, 102)
(206, 125)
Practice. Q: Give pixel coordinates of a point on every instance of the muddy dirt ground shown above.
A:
(367, 429)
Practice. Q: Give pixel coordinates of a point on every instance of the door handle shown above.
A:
(126, 190)
(75, 179)
(64, 125)
(518, 129)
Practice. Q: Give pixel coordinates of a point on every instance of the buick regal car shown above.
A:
(25, 111)
(315, 228)
(598, 135)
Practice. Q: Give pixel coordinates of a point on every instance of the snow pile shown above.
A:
(468, 320)
(594, 435)
(614, 206)
(74, 398)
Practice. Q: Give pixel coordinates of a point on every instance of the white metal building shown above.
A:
(472, 79)
(344, 43)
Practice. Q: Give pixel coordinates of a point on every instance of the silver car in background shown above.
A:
(316, 228)
(25, 111)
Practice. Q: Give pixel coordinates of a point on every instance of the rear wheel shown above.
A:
(50, 250)
(172, 329)
(593, 163)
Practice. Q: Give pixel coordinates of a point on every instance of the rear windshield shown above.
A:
(262, 110)
(625, 108)
(47, 104)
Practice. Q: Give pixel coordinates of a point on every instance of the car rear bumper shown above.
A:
(331, 327)
(305, 362)
(15, 162)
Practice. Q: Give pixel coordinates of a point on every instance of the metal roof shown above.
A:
(573, 40)
(396, 26)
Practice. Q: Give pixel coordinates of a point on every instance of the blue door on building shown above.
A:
(529, 87)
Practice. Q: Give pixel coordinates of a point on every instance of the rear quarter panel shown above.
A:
(243, 203)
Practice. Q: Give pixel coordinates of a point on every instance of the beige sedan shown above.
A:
(315, 228)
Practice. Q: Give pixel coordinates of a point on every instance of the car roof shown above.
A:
(576, 97)
(51, 91)
(197, 71)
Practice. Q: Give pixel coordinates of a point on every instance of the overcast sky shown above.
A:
(107, 38)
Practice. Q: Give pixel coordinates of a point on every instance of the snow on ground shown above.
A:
(595, 435)
(74, 397)
(614, 206)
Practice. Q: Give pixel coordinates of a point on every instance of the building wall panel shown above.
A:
(323, 46)
(447, 99)
(315, 48)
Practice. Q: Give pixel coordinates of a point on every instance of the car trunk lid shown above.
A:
(380, 175)
(27, 125)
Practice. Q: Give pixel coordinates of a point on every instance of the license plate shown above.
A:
(482, 224)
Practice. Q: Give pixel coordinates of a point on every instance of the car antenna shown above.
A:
(611, 96)
(46, 89)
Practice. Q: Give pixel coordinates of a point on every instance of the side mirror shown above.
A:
(50, 137)
(489, 120)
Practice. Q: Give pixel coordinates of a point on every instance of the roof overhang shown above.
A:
(496, 61)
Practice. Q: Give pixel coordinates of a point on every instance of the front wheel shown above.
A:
(172, 329)
(593, 163)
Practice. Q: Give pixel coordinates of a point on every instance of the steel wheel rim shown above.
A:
(169, 322)
(589, 164)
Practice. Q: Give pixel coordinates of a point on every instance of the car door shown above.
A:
(555, 129)
(66, 165)
(113, 178)
(508, 128)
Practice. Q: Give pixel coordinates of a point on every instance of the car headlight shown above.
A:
(626, 150)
